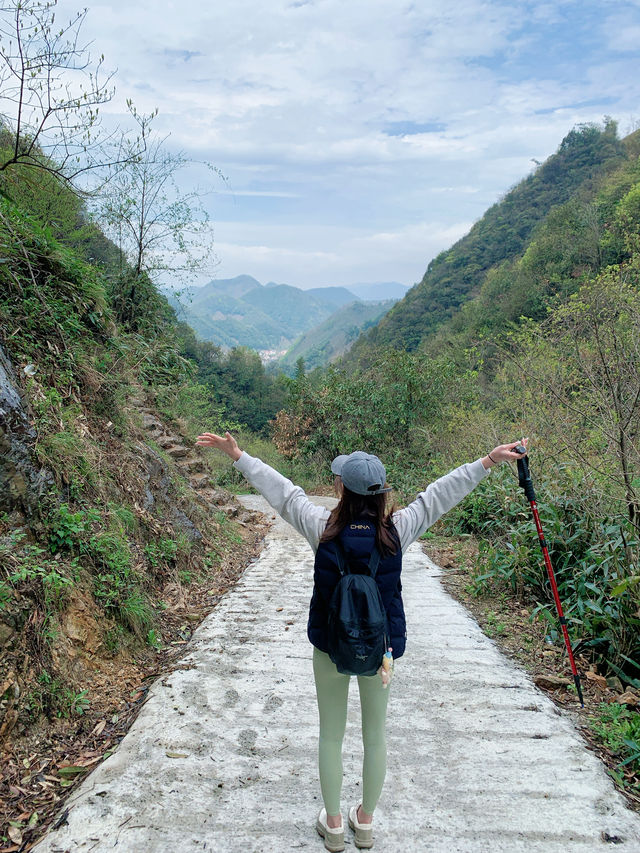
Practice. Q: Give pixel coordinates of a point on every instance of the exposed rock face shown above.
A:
(21, 481)
(156, 476)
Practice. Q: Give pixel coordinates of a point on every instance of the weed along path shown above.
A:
(222, 757)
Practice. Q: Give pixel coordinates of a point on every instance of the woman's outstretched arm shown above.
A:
(288, 500)
(443, 494)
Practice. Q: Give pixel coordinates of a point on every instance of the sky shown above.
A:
(359, 138)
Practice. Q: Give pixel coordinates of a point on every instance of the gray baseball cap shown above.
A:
(361, 473)
(338, 462)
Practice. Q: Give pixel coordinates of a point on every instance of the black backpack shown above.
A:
(358, 634)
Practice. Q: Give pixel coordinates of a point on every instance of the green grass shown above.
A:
(618, 728)
(32, 567)
(494, 627)
(116, 584)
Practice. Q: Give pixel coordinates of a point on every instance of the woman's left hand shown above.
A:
(504, 453)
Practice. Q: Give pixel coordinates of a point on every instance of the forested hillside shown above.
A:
(243, 312)
(331, 339)
(584, 158)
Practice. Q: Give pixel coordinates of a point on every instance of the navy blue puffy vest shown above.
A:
(358, 539)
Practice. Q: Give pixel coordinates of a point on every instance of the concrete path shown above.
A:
(222, 756)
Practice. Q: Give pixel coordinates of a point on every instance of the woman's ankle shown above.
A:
(334, 821)
(362, 816)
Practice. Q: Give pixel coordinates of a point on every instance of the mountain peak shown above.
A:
(237, 286)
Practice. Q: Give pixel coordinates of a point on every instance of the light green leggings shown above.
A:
(332, 689)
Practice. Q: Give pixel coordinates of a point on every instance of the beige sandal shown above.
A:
(363, 831)
(333, 838)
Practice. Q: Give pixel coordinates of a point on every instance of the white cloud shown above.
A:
(330, 255)
(293, 102)
(622, 36)
(257, 193)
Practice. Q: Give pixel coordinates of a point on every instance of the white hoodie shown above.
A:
(310, 520)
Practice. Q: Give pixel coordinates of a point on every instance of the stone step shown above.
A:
(214, 497)
(199, 481)
(193, 465)
(150, 422)
(230, 510)
(167, 441)
(177, 451)
(199, 498)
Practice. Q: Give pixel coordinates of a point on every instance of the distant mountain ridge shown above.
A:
(241, 311)
(332, 338)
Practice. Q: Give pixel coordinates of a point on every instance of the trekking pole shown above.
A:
(524, 480)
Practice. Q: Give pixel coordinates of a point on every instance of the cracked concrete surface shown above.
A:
(223, 755)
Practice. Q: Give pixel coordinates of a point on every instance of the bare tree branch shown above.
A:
(50, 93)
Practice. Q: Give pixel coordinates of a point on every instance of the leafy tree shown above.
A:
(248, 393)
(236, 382)
(393, 408)
(581, 370)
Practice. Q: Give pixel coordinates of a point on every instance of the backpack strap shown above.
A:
(340, 556)
(374, 562)
(343, 562)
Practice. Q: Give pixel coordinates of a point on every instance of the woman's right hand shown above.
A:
(227, 445)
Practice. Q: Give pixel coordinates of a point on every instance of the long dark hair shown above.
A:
(352, 506)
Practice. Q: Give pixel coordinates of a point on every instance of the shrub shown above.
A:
(67, 529)
(619, 728)
(594, 559)
(29, 567)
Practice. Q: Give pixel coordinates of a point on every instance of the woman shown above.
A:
(359, 523)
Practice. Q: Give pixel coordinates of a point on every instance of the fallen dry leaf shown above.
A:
(14, 834)
(600, 680)
(628, 698)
